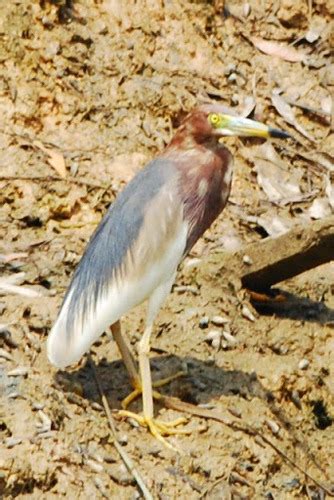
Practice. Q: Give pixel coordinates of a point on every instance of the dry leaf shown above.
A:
(55, 159)
(248, 106)
(12, 256)
(273, 176)
(286, 111)
(276, 49)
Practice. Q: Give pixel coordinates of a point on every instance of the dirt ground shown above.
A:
(100, 89)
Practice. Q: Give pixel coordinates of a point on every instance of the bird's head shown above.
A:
(212, 121)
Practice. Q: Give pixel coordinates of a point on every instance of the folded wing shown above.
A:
(136, 247)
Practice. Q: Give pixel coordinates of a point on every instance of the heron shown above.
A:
(134, 253)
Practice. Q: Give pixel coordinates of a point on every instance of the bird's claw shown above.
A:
(158, 428)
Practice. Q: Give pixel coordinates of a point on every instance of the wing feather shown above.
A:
(137, 246)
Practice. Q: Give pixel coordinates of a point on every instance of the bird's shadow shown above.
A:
(204, 384)
(288, 305)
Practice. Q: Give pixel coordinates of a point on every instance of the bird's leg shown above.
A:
(157, 428)
(131, 367)
(124, 349)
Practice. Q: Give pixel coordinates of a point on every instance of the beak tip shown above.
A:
(279, 134)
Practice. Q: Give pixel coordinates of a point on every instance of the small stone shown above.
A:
(123, 439)
(229, 338)
(120, 474)
(204, 322)
(219, 320)
(37, 406)
(303, 364)
(232, 78)
(235, 99)
(96, 406)
(195, 262)
(247, 260)
(51, 50)
(12, 441)
(246, 312)
(273, 426)
(186, 288)
(15, 395)
(214, 338)
(94, 466)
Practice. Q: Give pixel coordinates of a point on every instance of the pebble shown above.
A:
(247, 260)
(219, 320)
(37, 406)
(204, 322)
(20, 371)
(192, 262)
(51, 50)
(94, 466)
(247, 313)
(229, 338)
(15, 395)
(186, 288)
(273, 426)
(45, 422)
(123, 439)
(213, 337)
(232, 78)
(96, 406)
(12, 441)
(303, 364)
(120, 474)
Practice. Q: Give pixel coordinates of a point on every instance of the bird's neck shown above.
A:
(183, 142)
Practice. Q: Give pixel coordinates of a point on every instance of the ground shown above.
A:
(100, 89)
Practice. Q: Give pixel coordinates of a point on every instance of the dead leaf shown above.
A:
(55, 159)
(278, 50)
(286, 111)
(281, 186)
(248, 106)
(12, 256)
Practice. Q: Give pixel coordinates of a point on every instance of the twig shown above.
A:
(124, 456)
(178, 405)
(52, 178)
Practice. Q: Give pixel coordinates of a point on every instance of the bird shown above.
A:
(134, 253)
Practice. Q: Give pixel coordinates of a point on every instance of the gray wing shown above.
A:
(137, 246)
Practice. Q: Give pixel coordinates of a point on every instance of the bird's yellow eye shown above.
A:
(214, 119)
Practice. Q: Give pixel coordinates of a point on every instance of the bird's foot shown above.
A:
(137, 391)
(157, 428)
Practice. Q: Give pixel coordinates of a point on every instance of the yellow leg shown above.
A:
(126, 354)
(131, 367)
(144, 384)
(156, 427)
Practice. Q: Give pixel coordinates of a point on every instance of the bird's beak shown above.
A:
(244, 127)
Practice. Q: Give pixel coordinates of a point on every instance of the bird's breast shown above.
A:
(205, 190)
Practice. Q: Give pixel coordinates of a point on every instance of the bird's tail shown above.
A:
(66, 343)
